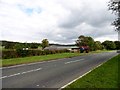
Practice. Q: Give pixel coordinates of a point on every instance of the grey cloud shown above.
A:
(93, 13)
(94, 18)
(98, 23)
(90, 20)
(73, 20)
(63, 36)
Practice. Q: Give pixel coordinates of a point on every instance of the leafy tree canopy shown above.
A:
(85, 41)
(109, 45)
(45, 43)
(114, 5)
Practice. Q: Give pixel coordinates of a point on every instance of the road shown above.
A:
(51, 74)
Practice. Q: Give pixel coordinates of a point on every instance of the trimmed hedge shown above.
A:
(24, 53)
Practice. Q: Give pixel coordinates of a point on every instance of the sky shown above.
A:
(59, 21)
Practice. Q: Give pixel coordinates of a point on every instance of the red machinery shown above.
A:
(84, 48)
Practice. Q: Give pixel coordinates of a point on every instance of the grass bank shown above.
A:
(16, 61)
(105, 76)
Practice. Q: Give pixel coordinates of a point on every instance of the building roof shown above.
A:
(54, 47)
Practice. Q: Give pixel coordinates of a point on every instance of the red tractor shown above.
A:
(84, 48)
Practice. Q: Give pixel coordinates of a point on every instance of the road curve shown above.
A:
(51, 74)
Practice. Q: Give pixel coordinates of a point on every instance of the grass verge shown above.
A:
(16, 61)
(31, 59)
(100, 51)
(105, 76)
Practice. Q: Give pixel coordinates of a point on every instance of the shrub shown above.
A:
(9, 54)
(24, 53)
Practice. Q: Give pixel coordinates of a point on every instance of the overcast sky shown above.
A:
(60, 21)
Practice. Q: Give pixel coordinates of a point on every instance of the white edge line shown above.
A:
(75, 80)
(32, 63)
(84, 74)
(24, 64)
(21, 65)
(29, 64)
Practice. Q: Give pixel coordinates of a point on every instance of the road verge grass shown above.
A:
(31, 59)
(105, 76)
(16, 61)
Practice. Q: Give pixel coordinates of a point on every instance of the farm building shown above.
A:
(55, 47)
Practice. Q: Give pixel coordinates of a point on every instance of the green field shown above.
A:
(16, 61)
(105, 76)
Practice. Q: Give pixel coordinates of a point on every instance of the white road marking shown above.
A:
(37, 69)
(27, 72)
(21, 73)
(37, 85)
(85, 74)
(74, 80)
(28, 64)
(3, 77)
(73, 61)
(22, 65)
(14, 75)
(32, 63)
(13, 66)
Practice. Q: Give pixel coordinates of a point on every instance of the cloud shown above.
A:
(60, 21)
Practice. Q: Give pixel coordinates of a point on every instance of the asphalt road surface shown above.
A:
(51, 74)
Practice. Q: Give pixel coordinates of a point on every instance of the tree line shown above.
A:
(14, 45)
(97, 45)
(81, 41)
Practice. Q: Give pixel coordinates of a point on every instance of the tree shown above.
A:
(98, 45)
(20, 51)
(45, 43)
(85, 41)
(117, 43)
(91, 43)
(109, 45)
(18, 46)
(114, 5)
(34, 45)
(9, 45)
(82, 41)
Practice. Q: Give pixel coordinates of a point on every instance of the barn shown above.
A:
(57, 47)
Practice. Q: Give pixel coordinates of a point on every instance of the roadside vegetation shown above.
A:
(16, 61)
(105, 76)
(31, 59)
(100, 51)
(14, 53)
(83, 44)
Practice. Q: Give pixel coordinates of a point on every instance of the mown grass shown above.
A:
(16, 61)
(105, 76)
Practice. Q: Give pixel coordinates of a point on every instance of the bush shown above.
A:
(9, 54)
(23, 53)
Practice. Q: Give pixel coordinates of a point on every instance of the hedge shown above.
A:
(24, 53)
